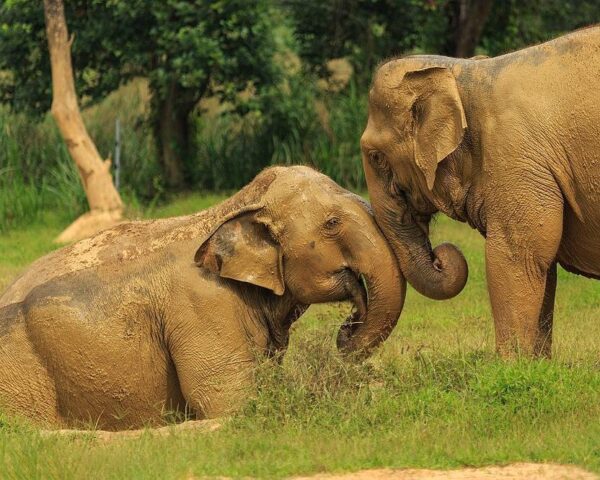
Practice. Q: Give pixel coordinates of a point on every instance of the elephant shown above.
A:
(151, 321)
(509, 145)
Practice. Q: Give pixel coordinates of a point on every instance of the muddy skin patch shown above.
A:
(79, 287)
(534, 55)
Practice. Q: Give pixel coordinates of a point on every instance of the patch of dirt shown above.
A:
(515, 471)
(106, 436)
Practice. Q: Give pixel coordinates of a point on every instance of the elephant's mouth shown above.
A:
(358, 293)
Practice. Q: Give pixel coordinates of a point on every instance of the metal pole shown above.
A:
(117, 154)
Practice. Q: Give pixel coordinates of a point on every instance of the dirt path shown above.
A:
(515, 471)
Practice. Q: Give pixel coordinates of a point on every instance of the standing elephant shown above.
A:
(510, 145)
(165, 316)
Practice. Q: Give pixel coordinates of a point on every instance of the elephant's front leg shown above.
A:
(214, 362)
(521, 275)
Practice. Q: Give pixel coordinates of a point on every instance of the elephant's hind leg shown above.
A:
(543, 344)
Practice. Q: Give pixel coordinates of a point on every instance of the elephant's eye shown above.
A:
(379, 163)
(332, 223)
(376, 159)
(397, 190)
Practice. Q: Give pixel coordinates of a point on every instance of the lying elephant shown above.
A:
(510, 145)
(165, 316)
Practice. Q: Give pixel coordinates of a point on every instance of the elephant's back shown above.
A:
(129, 241)
(115, 246)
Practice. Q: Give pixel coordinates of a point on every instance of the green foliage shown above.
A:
(37, 174)
(516, 24)
(285, 130)
(231, 147)
(192, 43)
(24, 61)
(141, 176)
(186, 49)
(369, 31)
(216, 48)
(366, 31)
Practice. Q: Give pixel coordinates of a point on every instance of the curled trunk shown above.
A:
(439, 273)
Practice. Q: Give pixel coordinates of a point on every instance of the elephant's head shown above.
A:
(307, 237)
(416, 120)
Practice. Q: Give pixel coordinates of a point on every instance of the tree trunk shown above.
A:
(468, 17)
(105, 203)
(172, 132)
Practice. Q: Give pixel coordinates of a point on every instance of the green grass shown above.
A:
(433, 396)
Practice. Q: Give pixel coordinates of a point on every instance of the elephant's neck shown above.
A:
(273, 314)
(459, 193)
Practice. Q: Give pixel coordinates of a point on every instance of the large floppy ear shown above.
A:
(439, 117)
(244, 249)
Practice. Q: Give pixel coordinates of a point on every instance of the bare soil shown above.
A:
(520, 471)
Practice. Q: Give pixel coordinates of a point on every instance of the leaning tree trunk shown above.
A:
(105, 203)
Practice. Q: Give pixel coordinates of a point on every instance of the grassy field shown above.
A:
(433, 396)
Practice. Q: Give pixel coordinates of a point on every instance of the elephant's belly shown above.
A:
(579, 251)
(130, 390)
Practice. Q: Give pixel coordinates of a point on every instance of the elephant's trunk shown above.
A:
(440, 273)
(377, 289)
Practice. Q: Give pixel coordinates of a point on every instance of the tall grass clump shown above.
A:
(37, 174)
(338, 154)
(314, 389)
(141, 176)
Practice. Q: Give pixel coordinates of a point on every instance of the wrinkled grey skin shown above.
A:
(510, 145)
(152, 319)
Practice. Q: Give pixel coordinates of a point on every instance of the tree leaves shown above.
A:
(194, 43)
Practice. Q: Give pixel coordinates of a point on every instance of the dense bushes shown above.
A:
(36, 172)
(298, 124)
(295, 123)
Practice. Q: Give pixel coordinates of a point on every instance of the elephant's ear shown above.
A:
(244, 249)
(439, 117)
